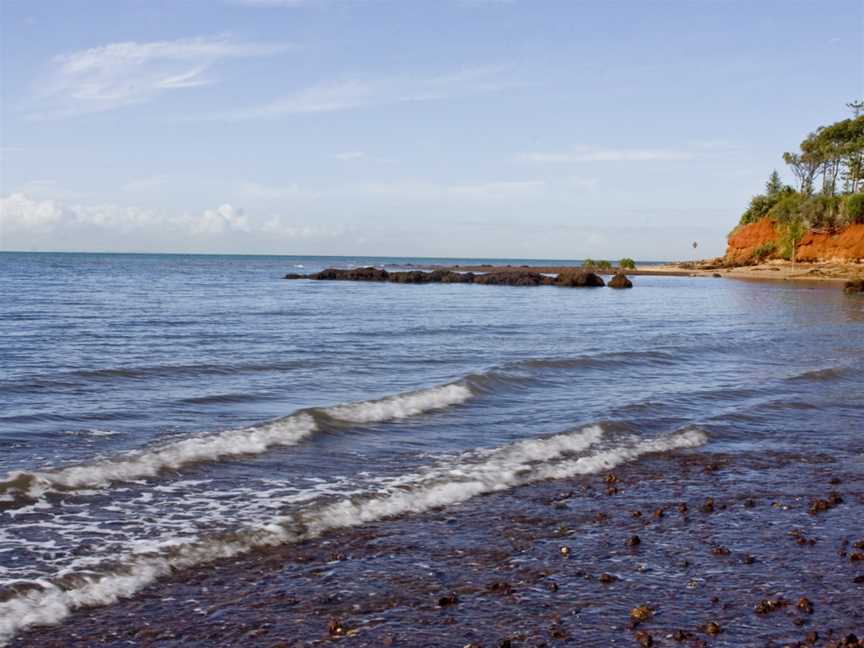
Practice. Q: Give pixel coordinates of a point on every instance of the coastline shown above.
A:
(772, 270)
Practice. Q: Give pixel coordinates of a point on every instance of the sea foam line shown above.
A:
(446, 483)
(230, 443)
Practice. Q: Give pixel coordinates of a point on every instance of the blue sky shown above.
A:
(495, 128)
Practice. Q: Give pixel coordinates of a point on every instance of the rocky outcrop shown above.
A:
(818, 245)
(580, 278)
(354, 274)
(620, 280)
(521, 278)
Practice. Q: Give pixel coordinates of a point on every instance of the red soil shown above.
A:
(816, 245)
(847, 245)
(744, 240)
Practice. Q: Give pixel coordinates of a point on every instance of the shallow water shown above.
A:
(161, 411)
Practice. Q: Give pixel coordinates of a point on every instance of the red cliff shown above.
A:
(746, 239)
(847, 245)
(816, 245)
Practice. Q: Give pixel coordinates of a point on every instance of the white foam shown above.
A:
(446, 483)
(93, 432)
(230, 443)
(402, 405)
(148, 463)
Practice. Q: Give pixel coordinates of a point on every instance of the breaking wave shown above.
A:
(21, 487)
(450, 481)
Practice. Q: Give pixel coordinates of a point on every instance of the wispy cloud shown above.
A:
(359, 93)
(588, 154)
(119, 74)
(347, 156)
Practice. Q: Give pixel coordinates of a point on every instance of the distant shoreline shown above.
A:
(773, 270)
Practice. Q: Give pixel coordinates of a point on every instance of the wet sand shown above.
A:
(686, 549)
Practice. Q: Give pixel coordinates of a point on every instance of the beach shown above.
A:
(722, 550)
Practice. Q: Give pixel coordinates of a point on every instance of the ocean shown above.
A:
(161, 412)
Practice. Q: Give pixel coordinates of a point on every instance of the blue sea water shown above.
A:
(155, 401)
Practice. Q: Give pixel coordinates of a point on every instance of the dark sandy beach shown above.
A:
(682, 549)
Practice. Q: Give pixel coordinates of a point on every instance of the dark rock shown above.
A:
(620, 280)
(770, 605)
(579, 279)
(354, 274)
(712, 628)
(335, 628)
(518, 278)
(634, 541)
(500, 587)
(644, 639)
(412, 277)
(641, 613)
(292, 275)
(805, 605)
(854, 286)
(450, 599)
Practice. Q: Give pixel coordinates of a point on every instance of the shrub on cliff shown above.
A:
(764, 252)
(787, 208)
(821, 212)
(759, 207)
(604, 265)
(853, 208)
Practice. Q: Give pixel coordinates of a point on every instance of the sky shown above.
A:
(558, 129)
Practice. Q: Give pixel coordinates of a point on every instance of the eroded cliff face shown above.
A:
(816, 245)
(847, 245)
(745, 240)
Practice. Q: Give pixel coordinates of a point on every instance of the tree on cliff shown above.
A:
(830, 158)
(774, 185)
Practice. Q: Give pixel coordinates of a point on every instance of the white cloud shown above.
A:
(224, 218)
(119, 74)
(22, 216)
(356, 93)
(588, 154)
(18, 213)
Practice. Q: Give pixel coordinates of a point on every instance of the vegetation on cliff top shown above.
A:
(829, 170)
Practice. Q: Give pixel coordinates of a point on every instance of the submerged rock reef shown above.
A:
(578, 278)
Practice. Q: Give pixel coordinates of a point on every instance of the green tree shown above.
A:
(774, 185)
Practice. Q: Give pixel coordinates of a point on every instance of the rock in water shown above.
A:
(355, 274)
(854, 286)
(620, 280)
(509, 278)
(579, 279)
